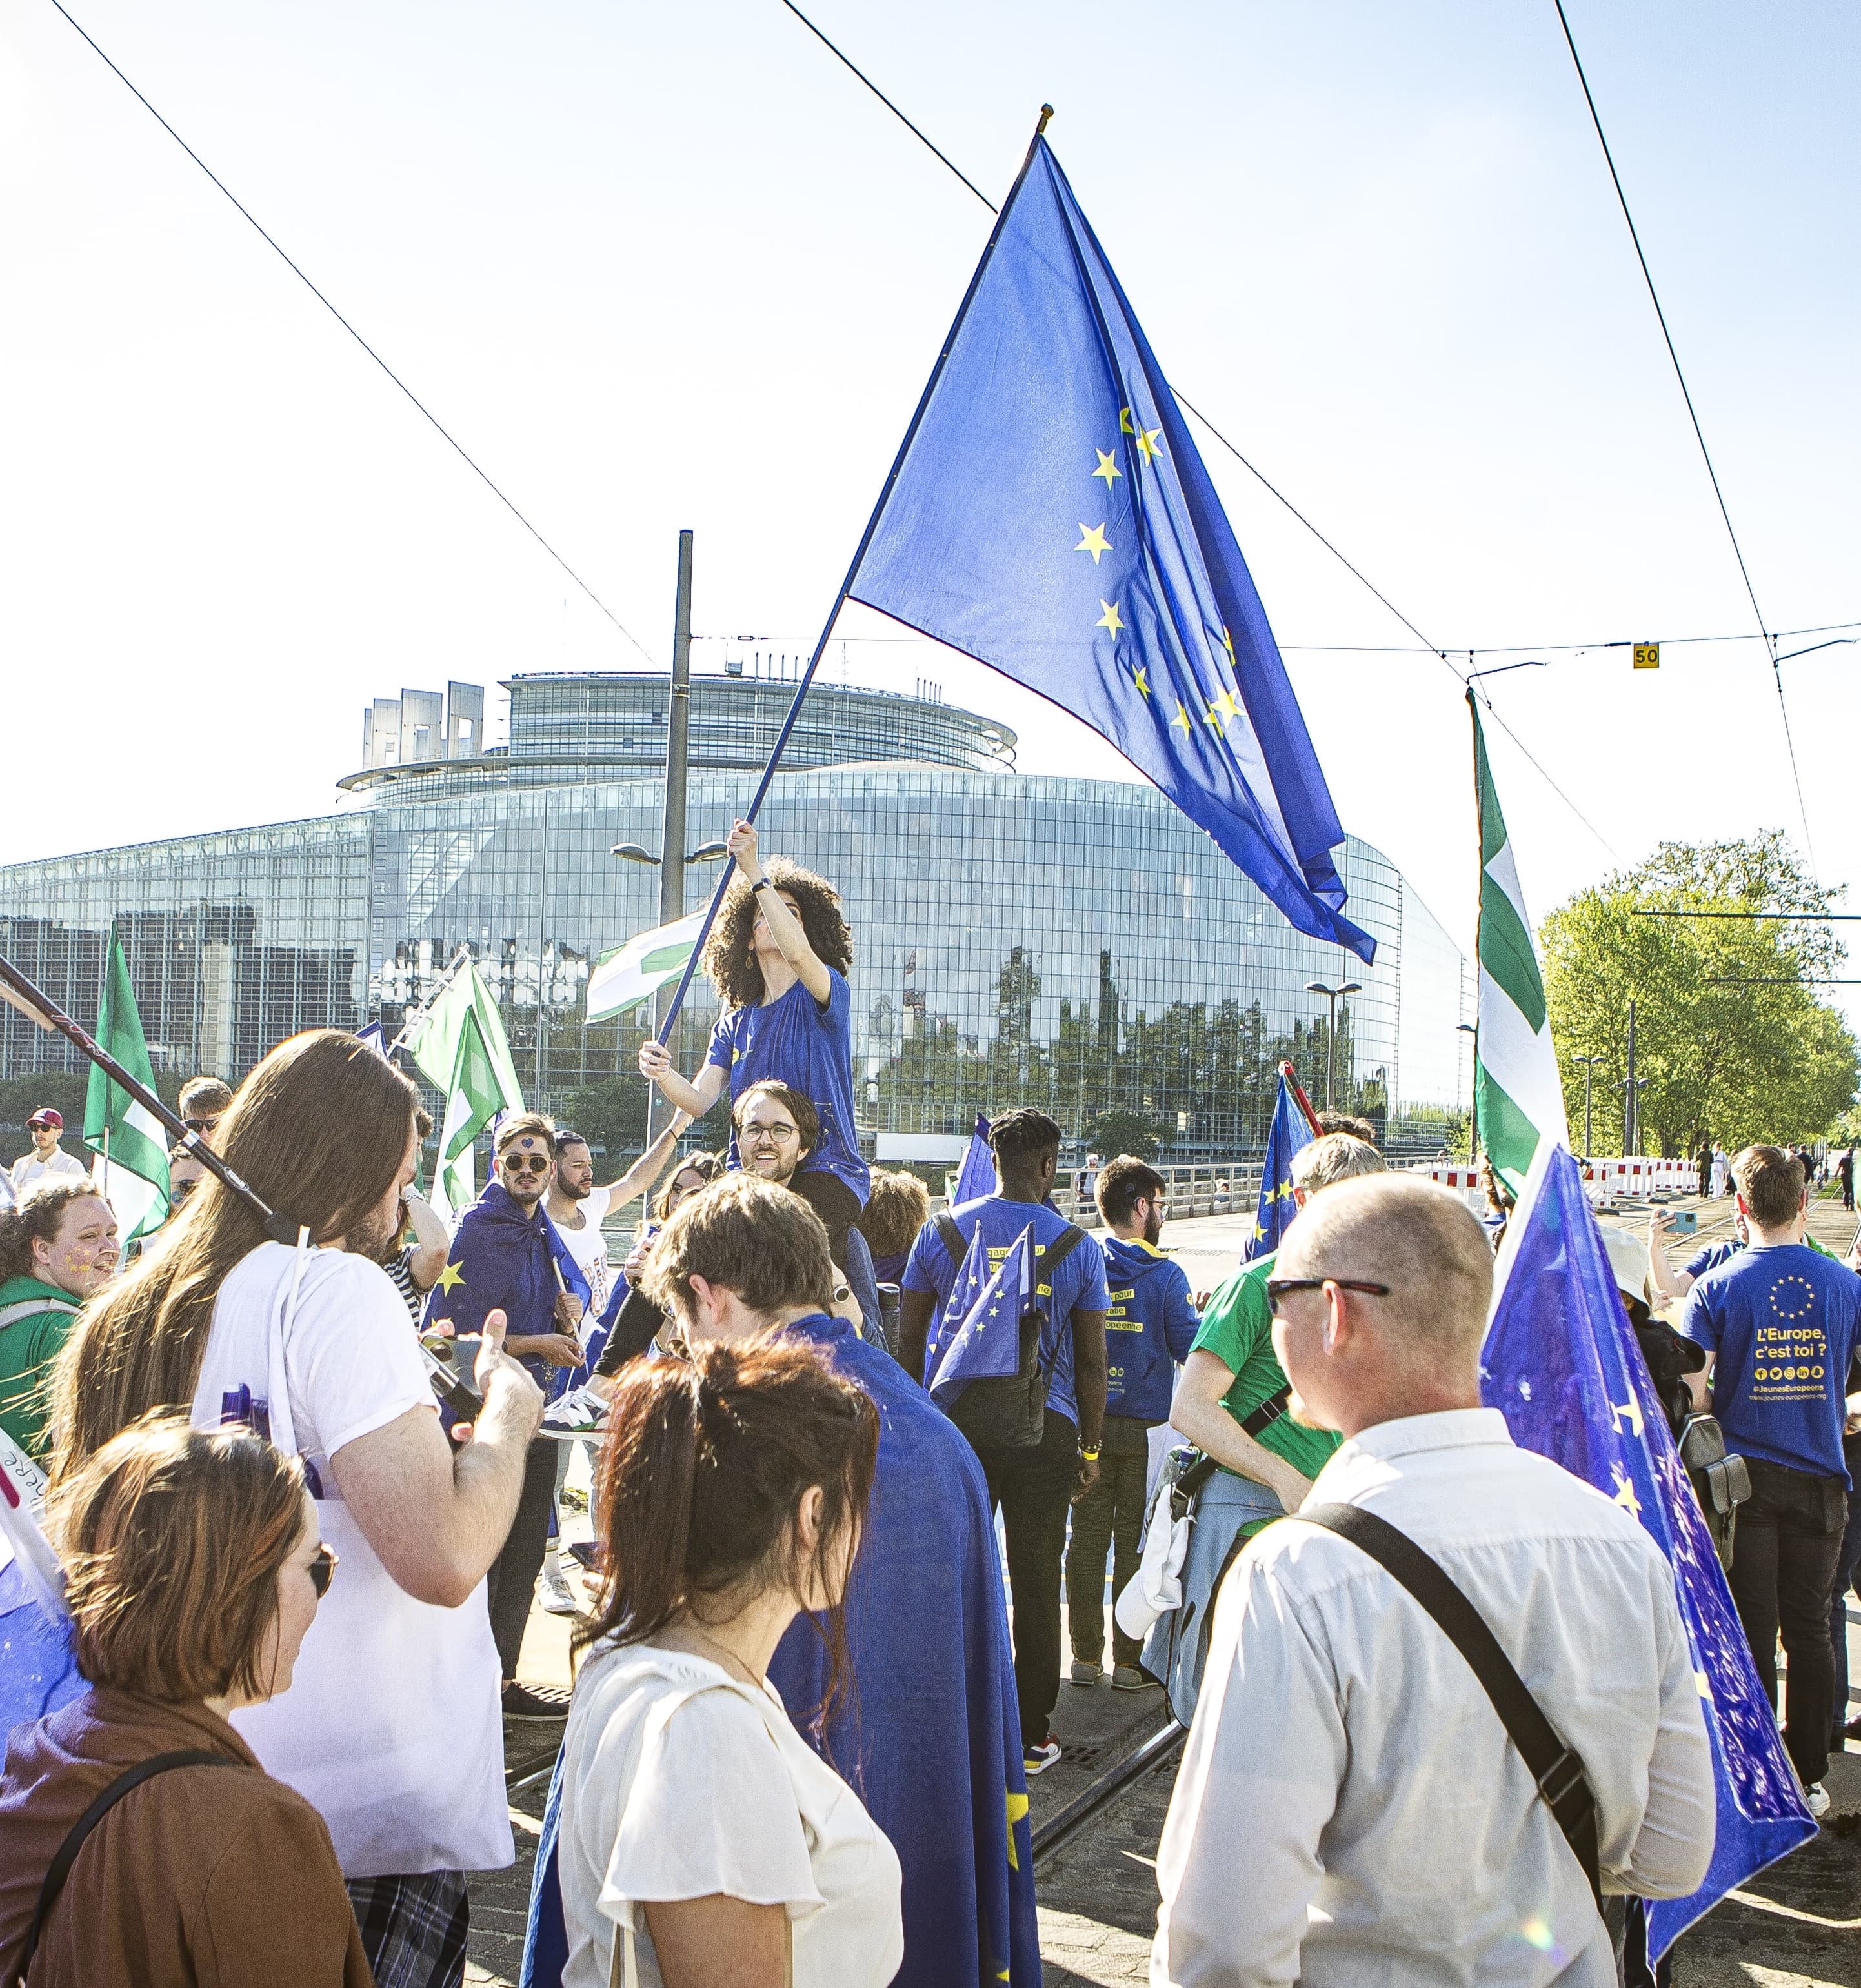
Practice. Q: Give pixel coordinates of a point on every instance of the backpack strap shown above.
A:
(1562, 1784)
(60, 1868)
(1062, 1246)
(33, 1308)
(952, 1238)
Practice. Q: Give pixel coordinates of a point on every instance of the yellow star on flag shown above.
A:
(1124, 421)
(1225, 704)
(454, 1273)
(1259, 1232)
(1227, 642)
(1213, 716)
(1147, 443)
(1182, 717)
(1111, 618)
(1017, 1810)
(1093, 542)
(1625, 1495)
(1141, 680)
(1107, 465)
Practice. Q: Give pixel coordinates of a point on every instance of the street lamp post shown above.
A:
(1333, 995)
(1588, 1064)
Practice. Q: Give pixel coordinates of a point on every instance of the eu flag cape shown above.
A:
(502, 1259)
(1287, 1137)
(1049, 516)
(932, 1738)
(1560, 1364)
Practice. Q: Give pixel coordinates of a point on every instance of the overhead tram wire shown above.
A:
(1699, 434)
(271, 242)
(1433, 648)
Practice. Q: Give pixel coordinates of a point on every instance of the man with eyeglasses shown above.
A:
(1231, 1405)
(1351, 1807)
(507, 1257)
(205, 1101)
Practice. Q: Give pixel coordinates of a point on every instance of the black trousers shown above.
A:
(511, 1585)
(1110, 1515)
(1034, 1487)
(836, 1203)
(1783, 1574)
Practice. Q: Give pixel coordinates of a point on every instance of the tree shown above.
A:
(1114, 1132)
(1729, 1033)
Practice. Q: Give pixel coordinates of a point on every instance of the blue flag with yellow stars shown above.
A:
(1049, 516)
(984, 1341)
(1560, 1364)
(976, 1176)
(1288, 1135)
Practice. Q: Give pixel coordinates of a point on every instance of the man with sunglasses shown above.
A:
(205, 1101)
(507, 1256)
(1231, 1405)
(1351, 1807)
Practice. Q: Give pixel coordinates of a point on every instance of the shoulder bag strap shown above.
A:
(1062, 1246)
(33, 1308)
(131, 1777)
(1562, 1784)
(951, 1236)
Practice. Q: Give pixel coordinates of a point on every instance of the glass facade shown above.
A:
(1074, 943)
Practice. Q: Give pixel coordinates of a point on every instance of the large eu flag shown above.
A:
(1049, 514)
(979, 1338)
(1560, 1364)
(1287, 1137)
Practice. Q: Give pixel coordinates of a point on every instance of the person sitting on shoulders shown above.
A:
(193, 1571)
(702, 1841)
(779, 955)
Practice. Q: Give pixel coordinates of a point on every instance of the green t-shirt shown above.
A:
(1237, 1328)
(28, 1347)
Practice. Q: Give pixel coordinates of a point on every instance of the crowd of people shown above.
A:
(811, 1689)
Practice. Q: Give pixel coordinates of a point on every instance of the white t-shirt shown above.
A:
(29, 1169)
(589, 1246)
(392, 1728)
(679, 1782)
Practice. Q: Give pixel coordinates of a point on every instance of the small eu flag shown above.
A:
(1560, 1362)
(1286, 1137)
(1049, 514)
(976, 1176)
(981, 1337)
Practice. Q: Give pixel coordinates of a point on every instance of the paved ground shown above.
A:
(1797, 1925)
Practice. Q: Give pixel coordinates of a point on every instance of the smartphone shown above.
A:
(588, 1554)
(1683, 1221)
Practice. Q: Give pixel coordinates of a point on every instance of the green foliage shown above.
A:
(1729, 1034)
(1116, 1132)
(611, 1114)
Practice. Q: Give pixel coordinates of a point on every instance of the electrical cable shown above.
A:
(437, 425)
(1433, 648)
(1692, 415)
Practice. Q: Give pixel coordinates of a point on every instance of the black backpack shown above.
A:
(1011, 1413)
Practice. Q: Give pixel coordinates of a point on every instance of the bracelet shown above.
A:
(1088, 1452)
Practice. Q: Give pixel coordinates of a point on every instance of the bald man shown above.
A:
(1350, 1807)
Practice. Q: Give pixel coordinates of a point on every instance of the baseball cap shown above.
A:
(44, 1115)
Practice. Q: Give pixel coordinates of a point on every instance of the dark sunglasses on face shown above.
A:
(202, 1124)
(322, 1569)
(524, 1163)
(1279, 1288)
(178, 1192)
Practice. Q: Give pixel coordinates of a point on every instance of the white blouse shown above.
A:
(680, 1782)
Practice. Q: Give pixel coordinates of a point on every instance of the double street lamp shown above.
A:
(1334, 995)
(708, 852)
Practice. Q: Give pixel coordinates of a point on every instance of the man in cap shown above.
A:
(46, 1161)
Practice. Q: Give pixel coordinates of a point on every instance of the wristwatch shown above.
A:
(1088, 1452)
(761, 884)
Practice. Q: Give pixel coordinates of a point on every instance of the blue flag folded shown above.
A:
(1287, 1137)
(39, 1670)
(1049, 516)
(976, 1176)
(979, 1337)
(1560, 1364)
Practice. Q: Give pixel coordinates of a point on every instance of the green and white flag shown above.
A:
(131, 1144)
(637, 971)
(1518, 1096)
(460, 1048)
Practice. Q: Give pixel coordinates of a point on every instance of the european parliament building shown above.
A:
(1075, 943)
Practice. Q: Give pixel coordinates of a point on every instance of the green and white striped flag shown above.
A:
(131, 1144)
(460, 1047)
(1518, 1096)
(634, 973)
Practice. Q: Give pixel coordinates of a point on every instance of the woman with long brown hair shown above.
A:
(393, 1729)
(193, 1570)
(778, 956)
(702, 1841)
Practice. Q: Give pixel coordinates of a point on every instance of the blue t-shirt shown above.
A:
(1712, 1256)
(795, 1040)
(1782, 1321)
(1079, 1283)
(1150, 1326)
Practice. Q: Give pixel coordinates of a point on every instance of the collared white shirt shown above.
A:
(1350, 1809)
(29, 1170)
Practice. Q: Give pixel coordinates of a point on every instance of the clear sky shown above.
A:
(661, 267)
